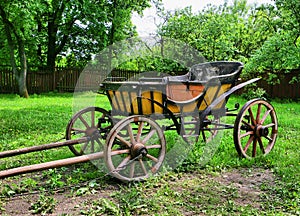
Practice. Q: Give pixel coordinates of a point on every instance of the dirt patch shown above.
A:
(248, 183)
(245, 182)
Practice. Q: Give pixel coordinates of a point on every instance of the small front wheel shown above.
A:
(93, 123)
(255, 129)
(135, 149)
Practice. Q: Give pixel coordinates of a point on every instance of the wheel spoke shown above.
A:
(123, 140)
(143, 166)
(261, 145)
(149, 135)
(258, 113)
(131, 173)
(246, 134)
(212, 129)
(248, 143)
(84, 122)
(78, 130)
(123, 163)
(265, 117)
(268, 138)
(140, 130)
(270, 125)
(92, 146)
(153, 146)
(93, 118)
(249, 125)
(254, 147)
(152, 158)
(130, 132)
(83, 147)
(98, 141)
(118, 152)
(252, 116)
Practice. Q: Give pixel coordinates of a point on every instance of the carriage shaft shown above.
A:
(11, 153)
(49, 165)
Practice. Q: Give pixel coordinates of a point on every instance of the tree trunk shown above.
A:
(23, 73)
(51, 49)
(53, 28)
(20, 76)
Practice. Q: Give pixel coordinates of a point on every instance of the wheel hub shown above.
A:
(261, 131)
(264, 131)
(138, 149)
(92, 132)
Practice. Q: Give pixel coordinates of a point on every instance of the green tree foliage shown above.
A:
(266, 38)
(79, 28)
(281, 52)
(61, 32)
(220, 33)
(15, 26)
(154, 63)
(72, 30)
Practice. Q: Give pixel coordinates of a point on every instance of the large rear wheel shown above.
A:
(255, 129)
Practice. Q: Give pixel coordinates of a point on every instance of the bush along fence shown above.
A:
(66, 79)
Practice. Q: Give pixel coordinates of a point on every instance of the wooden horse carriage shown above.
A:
(130, 137)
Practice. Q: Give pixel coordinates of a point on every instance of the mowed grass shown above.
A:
(43, 119)
(38, 120)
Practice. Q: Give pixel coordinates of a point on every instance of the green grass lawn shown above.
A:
(43, 119)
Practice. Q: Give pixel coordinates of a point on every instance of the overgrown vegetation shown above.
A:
(226, 185)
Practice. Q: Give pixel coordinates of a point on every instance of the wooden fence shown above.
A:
(285, 89)
(67, 79)
(41, 81)
(61, 80)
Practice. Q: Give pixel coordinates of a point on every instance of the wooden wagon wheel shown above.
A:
(255, 129)
(91, 122)
(138, 155)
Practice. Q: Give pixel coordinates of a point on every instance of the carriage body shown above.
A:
(195, 90)
(193, 104)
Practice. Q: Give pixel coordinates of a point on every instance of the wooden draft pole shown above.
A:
(11, 153)
(47, 165)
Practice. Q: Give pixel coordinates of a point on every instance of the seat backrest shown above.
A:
(220, 77)
(224, 71)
